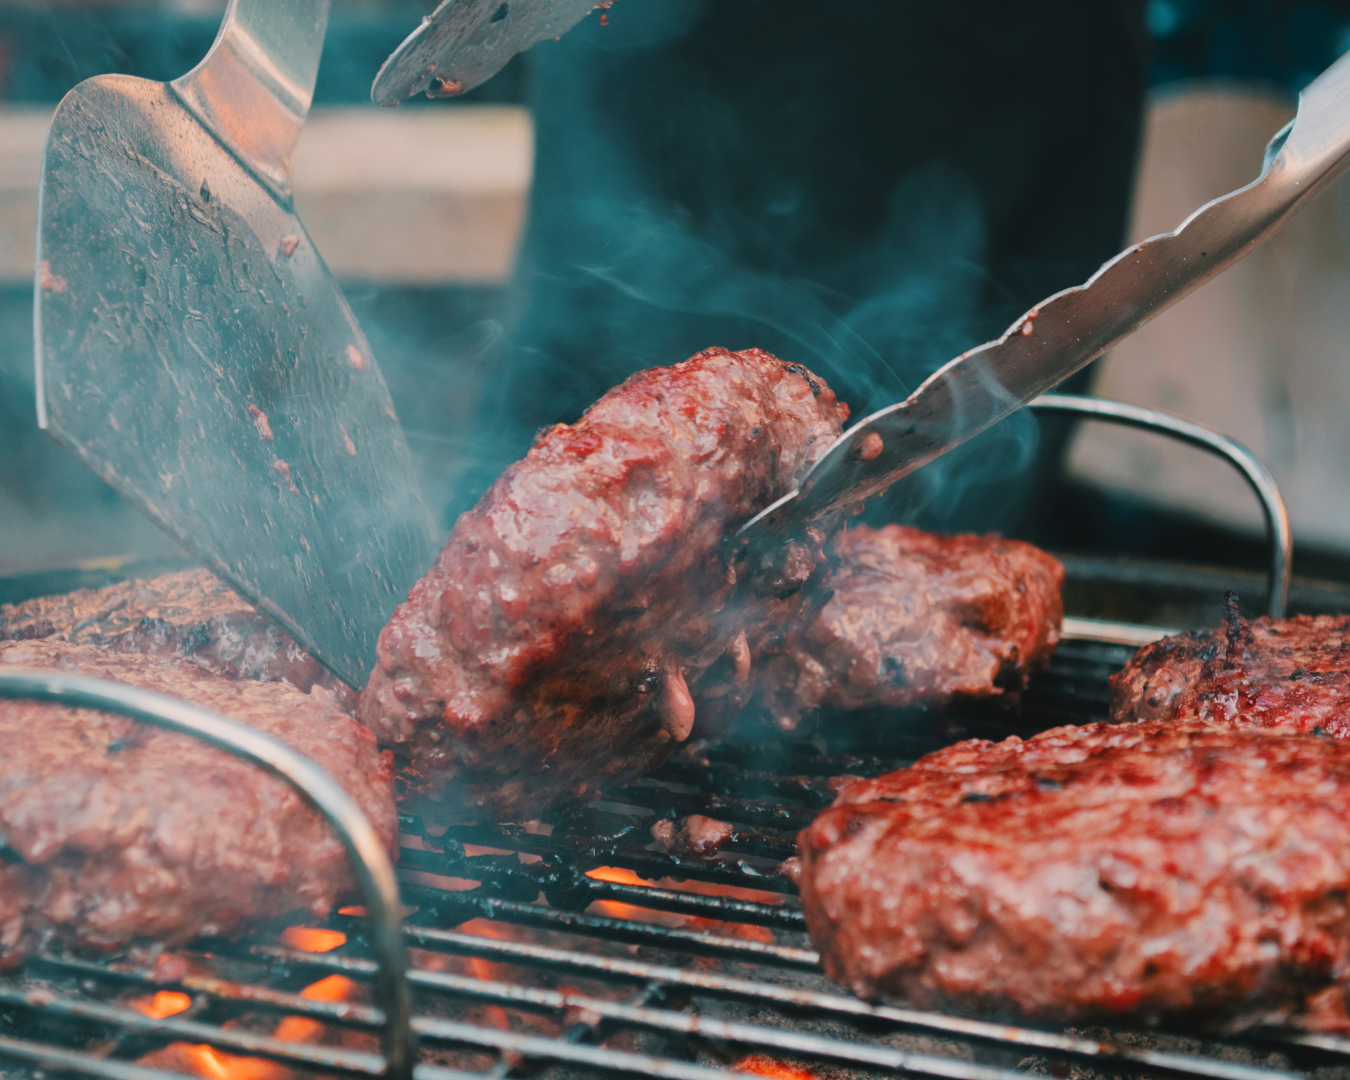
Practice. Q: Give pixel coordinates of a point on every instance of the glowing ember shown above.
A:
(333, 988)
(618, 910)
(163, 1003)
(775, 1070)
(207, 1061)
(618, 876)
(305, 1029)
(310, 939)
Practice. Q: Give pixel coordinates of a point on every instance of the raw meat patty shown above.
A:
(912, 618)
(116, 832)
(1163, 869)
(1291, 673)
(550, 648)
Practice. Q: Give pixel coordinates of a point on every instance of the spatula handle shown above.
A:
(254, 88)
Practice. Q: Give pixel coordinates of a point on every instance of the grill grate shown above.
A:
(562, 962)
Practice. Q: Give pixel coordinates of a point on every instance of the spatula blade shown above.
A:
(195, 352)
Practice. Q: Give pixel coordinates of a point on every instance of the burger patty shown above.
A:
(551, 646)
(191, 613)
(911, 619)
(114, 832)
(1163, 869)
(1292, 673)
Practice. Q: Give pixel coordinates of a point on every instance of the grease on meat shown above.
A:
(1160, 870)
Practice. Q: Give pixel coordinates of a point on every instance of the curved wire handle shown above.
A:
(374, 872)
(1237, 455)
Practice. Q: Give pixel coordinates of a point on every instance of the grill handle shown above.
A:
(1237, 455)
(374, 872)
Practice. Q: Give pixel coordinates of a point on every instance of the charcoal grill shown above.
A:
(576, 946)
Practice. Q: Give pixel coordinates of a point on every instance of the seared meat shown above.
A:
(115, 831)
(550, 647)
(1269, 673)
(1159, 869)
(913, 619)
(692, 835)
(190, 613)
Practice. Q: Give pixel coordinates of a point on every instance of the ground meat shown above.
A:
(692, 835)
(550, 647)
(115, 832)
(191, 613)
(1270, 673)
(1160, 870)
(913, 619)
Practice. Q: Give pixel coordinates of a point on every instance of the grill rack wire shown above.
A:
(634, 961)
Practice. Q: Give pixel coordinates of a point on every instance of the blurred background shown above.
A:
(868, 194)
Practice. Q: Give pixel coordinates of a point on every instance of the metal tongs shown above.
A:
(1066, 331)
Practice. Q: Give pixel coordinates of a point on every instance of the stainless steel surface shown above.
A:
(193, 349)
(1065, 331)
(465, 42)
(1257, 475)
(374, 872)
(1113, 633)
(253, 89)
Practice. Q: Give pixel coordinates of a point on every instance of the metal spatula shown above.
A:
(195, 352)
(1063, 333)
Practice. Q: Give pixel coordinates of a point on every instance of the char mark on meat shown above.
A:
(1270, 673)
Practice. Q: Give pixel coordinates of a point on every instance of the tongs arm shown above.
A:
(1065, 332)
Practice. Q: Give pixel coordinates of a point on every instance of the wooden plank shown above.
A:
(415, 197)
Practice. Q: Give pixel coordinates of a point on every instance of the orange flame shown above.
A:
(163, 1003)
(212, 1064)
(208, 1062)
(311, 939)
(761, 1065)
(619, 910)
(305, 1028)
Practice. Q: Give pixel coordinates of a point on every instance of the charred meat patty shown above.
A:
(1164, 869)
(1268, 673)
(911, 618)
(550, 648)
(190, 613)
(115, 832)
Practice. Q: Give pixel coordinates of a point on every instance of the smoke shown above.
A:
(668, 216)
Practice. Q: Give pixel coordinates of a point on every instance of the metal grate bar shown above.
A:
(645, 863)
(725, 908)
(246, 1042)
(783, 996)
(631, 930)
(58, 1060)
(513, 995)
(751, 811)
(55, 1059)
